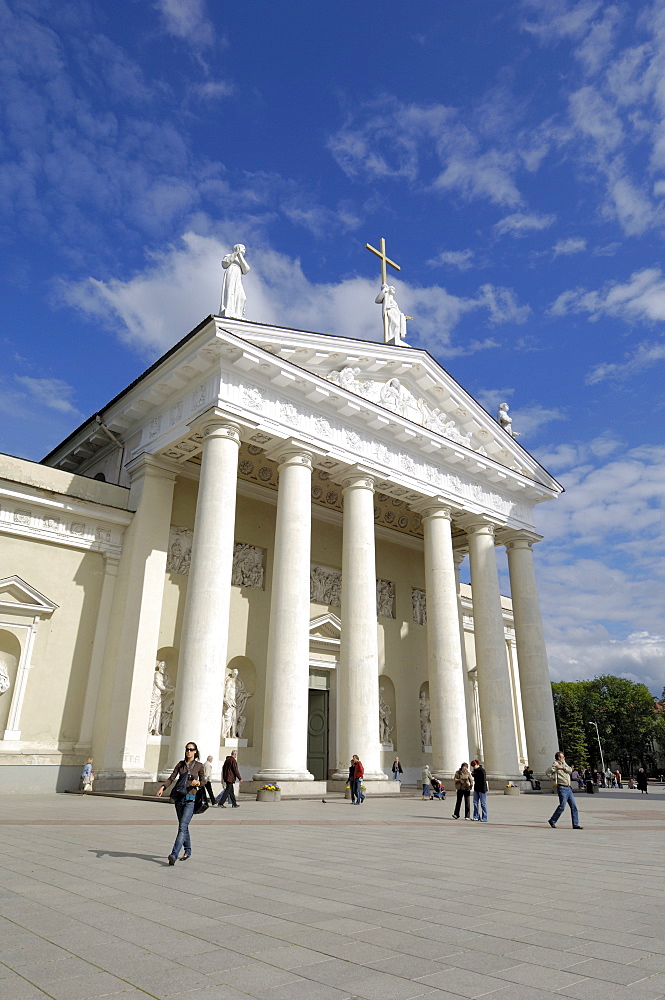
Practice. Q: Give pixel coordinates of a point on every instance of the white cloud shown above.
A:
(502, 305)
(178, 287)
(521, 223)
(575, 244)
(388, 138)
(187, 19)
(461, 259)
(53, 393)
(601, 566)
(644, 356)
(641, 299)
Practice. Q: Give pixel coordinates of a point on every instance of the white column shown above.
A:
(358, 689)
(450, 743)
(494, 689)
(470, 682)
(199, 699)
(123, 706)
(284, 753)
(111, 561)
(537, 703)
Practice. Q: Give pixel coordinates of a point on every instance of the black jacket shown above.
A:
(479, 779)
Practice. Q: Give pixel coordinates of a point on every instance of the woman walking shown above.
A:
(463, 785)
(643, 781)
(188, 775)
(397, 770)
(356, 775)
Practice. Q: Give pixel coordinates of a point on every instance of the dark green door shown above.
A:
(317, 735)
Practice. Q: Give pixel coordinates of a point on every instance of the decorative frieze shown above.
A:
(248, 560)
(325, 586)
(385, 598)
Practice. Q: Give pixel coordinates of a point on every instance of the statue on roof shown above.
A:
(233, 301)
(506, 420)
(394, 320)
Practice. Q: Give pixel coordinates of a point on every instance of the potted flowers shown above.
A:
(269, 793)
(511, 789)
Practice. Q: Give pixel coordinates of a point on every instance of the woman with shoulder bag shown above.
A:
(189, 775)
(463, 786)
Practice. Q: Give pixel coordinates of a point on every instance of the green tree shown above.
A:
(628, 718)
(570, 722)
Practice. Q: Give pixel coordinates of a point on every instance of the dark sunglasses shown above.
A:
(193, 749)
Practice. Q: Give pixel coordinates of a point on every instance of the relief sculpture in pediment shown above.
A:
(395, 396)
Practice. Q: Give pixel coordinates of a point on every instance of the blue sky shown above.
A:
(513, 156)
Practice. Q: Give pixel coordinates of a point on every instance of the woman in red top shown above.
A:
(357, 774)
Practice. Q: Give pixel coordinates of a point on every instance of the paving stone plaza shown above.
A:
(305, 900)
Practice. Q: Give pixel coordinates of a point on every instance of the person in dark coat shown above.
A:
(588, 781)
(230, 774)
(480, 789)
(188, 774)
(397, 769)
(643, 781)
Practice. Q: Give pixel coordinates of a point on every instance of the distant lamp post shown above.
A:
(602, 760)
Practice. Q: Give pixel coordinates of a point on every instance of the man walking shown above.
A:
(230, 774)
(207, 777)
(479, 791)
(560, 773)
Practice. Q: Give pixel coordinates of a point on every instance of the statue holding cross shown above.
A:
(394, 320)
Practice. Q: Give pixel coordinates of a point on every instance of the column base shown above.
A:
(372, 786)
(497, 782)
(277, 775)
(289, 789)
(111, 780)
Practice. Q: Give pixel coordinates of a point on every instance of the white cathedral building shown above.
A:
(257, 545)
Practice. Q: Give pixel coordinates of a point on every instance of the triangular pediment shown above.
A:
(407, 384)
(326, 629)
(18, 597)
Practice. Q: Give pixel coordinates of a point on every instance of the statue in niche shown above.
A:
(506, 420)
(385, 712)
(419, 606)
(161, 702)
(425, 721)
(247, 566)
(4, 678)
(385, 598)
(394, 320)
(236, 697)
(179, 554)
(233, 301)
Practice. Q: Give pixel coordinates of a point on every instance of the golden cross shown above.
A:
(384, 259)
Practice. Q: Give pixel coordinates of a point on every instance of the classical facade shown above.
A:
(257, 545)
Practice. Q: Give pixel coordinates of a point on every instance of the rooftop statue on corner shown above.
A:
(233, 301)
(506, 420)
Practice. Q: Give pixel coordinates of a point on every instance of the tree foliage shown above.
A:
(630, 723)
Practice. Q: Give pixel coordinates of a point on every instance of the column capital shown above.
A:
(520, 539)
(292, 452)
(433, 506)
(217, 423)
(358, 478)
(148, 465)
(459, 554)
(479, 527)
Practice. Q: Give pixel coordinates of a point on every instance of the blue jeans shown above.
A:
(356, 793)
(184, 812)
(480, 799)
(565, 794)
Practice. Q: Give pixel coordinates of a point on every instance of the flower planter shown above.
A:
(263, 795)
(514, 790)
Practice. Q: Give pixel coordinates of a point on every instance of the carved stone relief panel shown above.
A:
(179, 554)
(385, 598)
(419, 606)
(325, 585)
(248, 566)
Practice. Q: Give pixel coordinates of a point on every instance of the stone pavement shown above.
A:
(304, 900)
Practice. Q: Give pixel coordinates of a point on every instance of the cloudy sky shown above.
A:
(513, 156)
